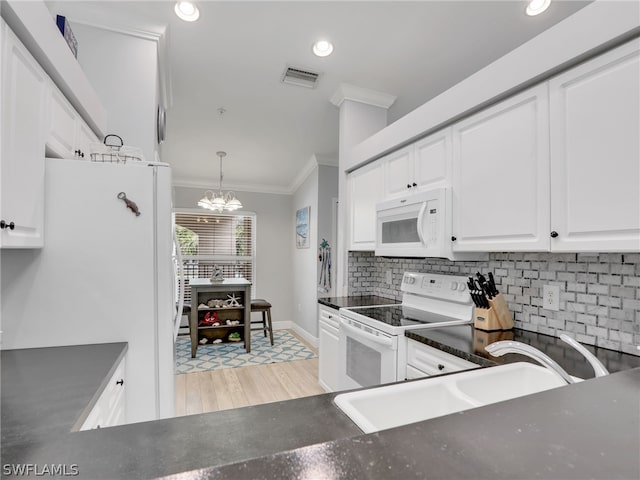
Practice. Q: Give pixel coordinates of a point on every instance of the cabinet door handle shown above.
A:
(9, 225)
(120, 382)
(453, 239)
(408, 185)
(440, 366)
(415, 184)
(554, 234)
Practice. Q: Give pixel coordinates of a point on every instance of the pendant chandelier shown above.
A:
(219, 202)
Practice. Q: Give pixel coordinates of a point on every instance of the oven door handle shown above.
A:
(385, 341)
(423, 209)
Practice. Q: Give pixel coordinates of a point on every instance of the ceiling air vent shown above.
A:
(300, 76)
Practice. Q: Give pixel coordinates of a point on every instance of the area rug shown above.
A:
(231, 355)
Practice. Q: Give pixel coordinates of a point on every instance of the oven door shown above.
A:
(367, 356)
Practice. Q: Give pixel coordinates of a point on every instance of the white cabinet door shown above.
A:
(24, 94)
(398, 172)
(366, 189)
(61, 125)
(432, 161)
(328, 348)
(501, 176)
(432, 361)
(68, 136)
(595, 154)
(84, 138)
(110, 409)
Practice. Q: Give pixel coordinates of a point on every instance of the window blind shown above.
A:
(215, 239)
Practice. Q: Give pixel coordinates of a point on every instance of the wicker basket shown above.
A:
(113, 150)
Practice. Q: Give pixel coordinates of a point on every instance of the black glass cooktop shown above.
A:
(399, 316)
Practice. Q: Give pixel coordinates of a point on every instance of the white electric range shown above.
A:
(372, 342)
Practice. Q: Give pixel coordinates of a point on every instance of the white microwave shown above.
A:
(413, 226)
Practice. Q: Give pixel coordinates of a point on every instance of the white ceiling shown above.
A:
(234, 55)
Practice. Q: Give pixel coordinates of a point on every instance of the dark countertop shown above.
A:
(585, 430)
(48, 392)
(356, 301)
(468, 343)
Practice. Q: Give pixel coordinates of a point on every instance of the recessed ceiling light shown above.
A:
(536, 7)
(322, 48)
(187, 11)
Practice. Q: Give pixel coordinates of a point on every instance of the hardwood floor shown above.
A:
(226, 388)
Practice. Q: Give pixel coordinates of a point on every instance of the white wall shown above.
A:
(123, 72)
(274, 240)
(327, 191)
(305, 260)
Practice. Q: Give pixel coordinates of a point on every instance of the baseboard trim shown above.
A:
(289, 325)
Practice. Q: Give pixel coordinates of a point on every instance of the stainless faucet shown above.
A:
(497, 349)
(597, 365)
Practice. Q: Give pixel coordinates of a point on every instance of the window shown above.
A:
(225, 240)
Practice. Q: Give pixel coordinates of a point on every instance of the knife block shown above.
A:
(481, 339)
(496, 317)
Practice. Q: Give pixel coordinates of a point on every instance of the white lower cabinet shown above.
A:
(328, 348)
(424, 361)
(110, 409)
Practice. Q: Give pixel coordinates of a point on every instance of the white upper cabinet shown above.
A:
(501, 176)
(398, 171)
(24, 100)
(420, 166)
(595, 154)
(432, 161)
(68, 136)
(365, 190)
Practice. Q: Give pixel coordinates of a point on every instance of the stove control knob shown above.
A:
(462, 287)
(410, 280)
(454, 285)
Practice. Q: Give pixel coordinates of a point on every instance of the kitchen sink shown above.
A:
(391, 406)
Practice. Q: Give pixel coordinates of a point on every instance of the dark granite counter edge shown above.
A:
(101, 388)
(484, 362)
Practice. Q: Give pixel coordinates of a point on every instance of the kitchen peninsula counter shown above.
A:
(590, 427)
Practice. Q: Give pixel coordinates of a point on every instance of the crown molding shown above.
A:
(246, 187)
(328, 160)
(123, 29)
(347, 91)
(307, 170)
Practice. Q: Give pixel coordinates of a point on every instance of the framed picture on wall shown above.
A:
(302, 228)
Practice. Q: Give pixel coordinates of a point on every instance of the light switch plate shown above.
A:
(551, 297)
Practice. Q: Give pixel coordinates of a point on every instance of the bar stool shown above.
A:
(261, 305)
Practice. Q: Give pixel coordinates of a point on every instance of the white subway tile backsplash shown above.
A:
(599, 293)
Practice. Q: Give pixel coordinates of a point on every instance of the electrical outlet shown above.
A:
(389, 277)
(551, 297)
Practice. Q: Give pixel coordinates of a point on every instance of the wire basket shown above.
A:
(112, 152)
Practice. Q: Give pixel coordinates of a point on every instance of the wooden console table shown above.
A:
(203, 290)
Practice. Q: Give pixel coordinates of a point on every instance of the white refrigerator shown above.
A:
(104, 275)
